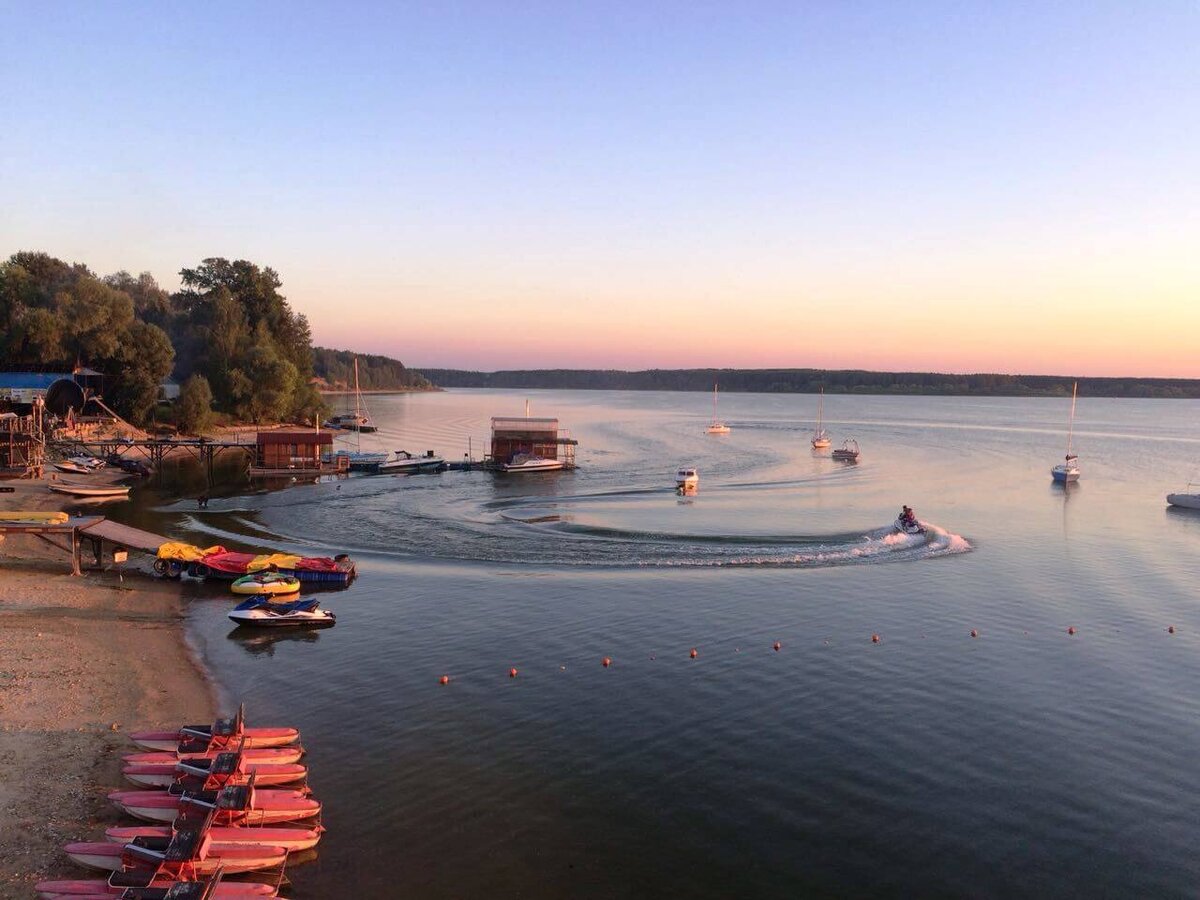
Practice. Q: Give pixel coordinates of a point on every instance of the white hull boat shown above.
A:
(228, 858)
(687, 479)
(90, 491)
(404, 462)
(1067, 471)
(717, 426)
(524, 464)
(820, 438)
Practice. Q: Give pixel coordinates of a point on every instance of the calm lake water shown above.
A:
(1022, 762)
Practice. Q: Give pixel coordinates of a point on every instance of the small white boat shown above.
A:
(687, 478)
(820, 438)
(717, 426)
(522, 464)
(1067, 471)
(848, 452)
(90, 490)
(1184, 501)
(88, 462)
(405, 462)
(72, 468)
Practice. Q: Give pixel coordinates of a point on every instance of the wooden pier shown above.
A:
(95, 530)
(155, 450)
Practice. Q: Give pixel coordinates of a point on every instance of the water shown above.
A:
(1025, 761)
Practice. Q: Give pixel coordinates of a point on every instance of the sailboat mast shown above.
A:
(714, 402)
(821, 410)
(1071, 425)
(357, 412)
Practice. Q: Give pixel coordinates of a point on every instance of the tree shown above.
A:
(193, 409)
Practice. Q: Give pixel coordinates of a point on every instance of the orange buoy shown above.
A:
(445, 679)
(776, 646)
(694, 653)
(1070, 629)
(606, 662)
(512, 673)
(1170, 629)
(974, 632)
(874, 639)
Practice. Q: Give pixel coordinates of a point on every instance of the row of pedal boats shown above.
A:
(214, 800)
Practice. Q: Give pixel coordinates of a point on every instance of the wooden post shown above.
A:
(75, 567)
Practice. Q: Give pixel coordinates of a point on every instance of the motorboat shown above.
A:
(88, 462)
(262, 612)
(687, 478)
(233, 805)
(717, 426)
(276, 756)
(221, 734)
(848, 452)
(73, 468)
(106, 491)
(266, 583)
(293, 839)
(1184, 501)
(148, 884)
(352, 422)
(820, 438)
(404, 462)
(522, 463)
(1067, 471)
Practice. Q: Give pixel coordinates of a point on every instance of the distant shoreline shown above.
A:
(383, 391)
(810, 381)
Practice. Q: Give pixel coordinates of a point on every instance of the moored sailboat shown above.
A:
(717, 426)
(820, 438)
(1067, 471)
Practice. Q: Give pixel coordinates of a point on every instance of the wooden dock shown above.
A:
(93, 529)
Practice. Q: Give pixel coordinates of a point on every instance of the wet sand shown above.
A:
(82, 660)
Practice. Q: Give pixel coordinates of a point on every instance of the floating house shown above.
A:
(530, 438)
(294, 452)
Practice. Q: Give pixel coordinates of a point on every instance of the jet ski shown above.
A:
(260, 612)
(908, 526)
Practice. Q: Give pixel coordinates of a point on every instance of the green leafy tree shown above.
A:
(193, 409)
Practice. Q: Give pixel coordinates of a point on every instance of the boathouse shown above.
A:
(525, 436)
(291, 452)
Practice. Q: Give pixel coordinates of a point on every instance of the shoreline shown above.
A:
(84, 660)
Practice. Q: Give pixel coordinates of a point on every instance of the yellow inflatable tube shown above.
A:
(39, 518)
(266, 583)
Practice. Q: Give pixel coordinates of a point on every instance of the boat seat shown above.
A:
(185, 845)
(132, 878)
(234, 797)
(225, 727)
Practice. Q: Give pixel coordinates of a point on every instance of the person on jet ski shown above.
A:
(907, 517)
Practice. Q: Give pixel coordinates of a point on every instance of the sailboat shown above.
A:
(358, 423)
(1067, 471)
(820, 438)
(717, 426)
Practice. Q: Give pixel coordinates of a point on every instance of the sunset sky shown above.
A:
(938, 186)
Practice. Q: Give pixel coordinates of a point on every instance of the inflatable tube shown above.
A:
(271, 583)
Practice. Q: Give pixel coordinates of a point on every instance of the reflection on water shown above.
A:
(262, 641)
(931, 763)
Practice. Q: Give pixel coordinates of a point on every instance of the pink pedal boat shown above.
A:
(224, 734)
(185, 853)
(210, 773)
(146, 885)
(241, 804)
(293, 840)
(278, 756)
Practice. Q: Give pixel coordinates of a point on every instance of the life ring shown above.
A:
(273, 583)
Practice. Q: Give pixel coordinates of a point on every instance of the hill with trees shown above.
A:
(839, 381)
(375, 373)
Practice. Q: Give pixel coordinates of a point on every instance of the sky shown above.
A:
(957, 186)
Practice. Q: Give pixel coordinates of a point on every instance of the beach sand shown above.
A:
(82, 660)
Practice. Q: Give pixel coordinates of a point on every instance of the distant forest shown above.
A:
(840, 381)
(375, 373)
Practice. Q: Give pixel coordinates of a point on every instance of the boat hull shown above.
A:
(293, 840)
(1064, 476)
(1184, 501)
(281, 756)
(253, 738)
(265, 775)
(231, 859)
(260, 618)
(717, 429)
(271, 807)
(97, 888)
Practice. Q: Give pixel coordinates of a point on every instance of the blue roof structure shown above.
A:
(31, 380)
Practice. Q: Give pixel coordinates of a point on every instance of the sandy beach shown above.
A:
(82, 660)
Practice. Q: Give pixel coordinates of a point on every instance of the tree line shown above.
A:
(375, 373)
(809, 381)
(228, 331)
